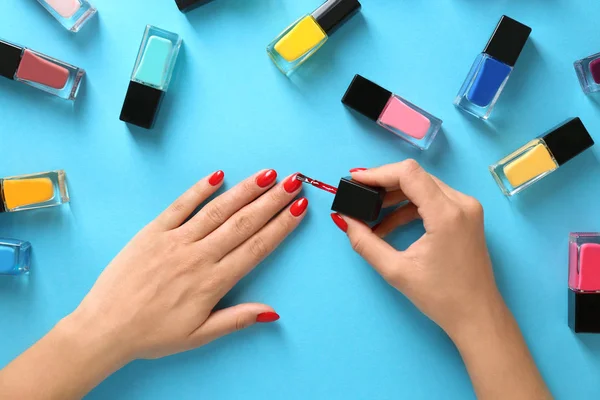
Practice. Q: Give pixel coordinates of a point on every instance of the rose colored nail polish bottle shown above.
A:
(584, 282)
(588, 72)
(15, 256)
(492, 68)
(72, 14)
(40, 71)
(392, 112)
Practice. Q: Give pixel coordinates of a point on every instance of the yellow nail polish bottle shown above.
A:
(541, 156)
(29, 192)
(304, 37)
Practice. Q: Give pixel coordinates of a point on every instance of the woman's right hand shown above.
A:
(447, 273)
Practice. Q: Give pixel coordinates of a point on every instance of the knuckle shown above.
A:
(357, 245)
(248, 187)
(243, 225)
(276, 196)
(215, 214)
(474, 207)
(285, 223)
(258, 248)
(177, 207)
(409, 167)
(241, 323)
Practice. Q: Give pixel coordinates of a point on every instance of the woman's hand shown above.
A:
(157, 296)
(448, 275)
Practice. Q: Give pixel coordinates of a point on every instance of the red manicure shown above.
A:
(339, 221)
(299, 206)
(357, 170)
(292, 184)
(266, 178)
(267, 317)
(216, 178)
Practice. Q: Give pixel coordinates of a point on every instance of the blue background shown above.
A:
(344, 333)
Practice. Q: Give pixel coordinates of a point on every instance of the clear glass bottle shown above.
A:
(492, 68)
(72, 14)
(151, 76)
(392, 112)
(29, 192)
(39, 71)
(541, 156)
(299, 41)
(15, 256)
(588, 73)
(584, 282)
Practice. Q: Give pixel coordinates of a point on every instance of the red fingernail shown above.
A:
(216, 178)
(357, 169)
(267, 317)
(266, 178)
(299, 206)
(339, 221)
(292, 184)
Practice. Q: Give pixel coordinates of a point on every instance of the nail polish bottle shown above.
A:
(588, 72)
(40, 71)
(189, 5)
(541, 156)
(584, 282)
(304, 37)
(29, 192)
(14, 257)
(151, 76)
(72, 14)
(392, 112)
(352, 198)
(492, 68)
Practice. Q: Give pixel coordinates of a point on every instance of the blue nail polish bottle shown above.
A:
(14, 257)
(492, 68)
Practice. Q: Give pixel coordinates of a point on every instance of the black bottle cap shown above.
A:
(508, 41)
(189, 5)
(568, 140)
(358, 201)
(366, 97)
(333, 13)
(10, 58)
(584, 312)
(141, 105)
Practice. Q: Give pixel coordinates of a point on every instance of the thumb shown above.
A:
(368, 245)
(232, 319)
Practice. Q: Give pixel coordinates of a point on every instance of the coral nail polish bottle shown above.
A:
(39, 71)
(492, 68)
(151, 76)
(72, 14)
(30, 192)
(541, 156)
(14, 257)
(588, 72)
(584, 282)
(304, 37)
(392, 112)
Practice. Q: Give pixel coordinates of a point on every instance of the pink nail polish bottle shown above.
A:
(392, 112)
(584, 282)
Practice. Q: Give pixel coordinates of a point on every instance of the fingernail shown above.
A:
(357, 169)
(266, 178)
(267, 317)
(339, 221)
(292, 184)
(216, 178)
(374, 228)
(299, 206)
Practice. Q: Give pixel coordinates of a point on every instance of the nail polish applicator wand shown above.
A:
(352, 198)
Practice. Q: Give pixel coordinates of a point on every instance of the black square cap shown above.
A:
(141, 105)
(189, 5)
(366, 97)
(584, 312)
(358, 201)
(10, 59)
(508, 41)
(568, 140)
(333, 13)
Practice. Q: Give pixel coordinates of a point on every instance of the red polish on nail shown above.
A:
(299, 206)
(216, 178)
(357, 170)
(292, 184)
(267, 317)
(266, 178)
(339, 221)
